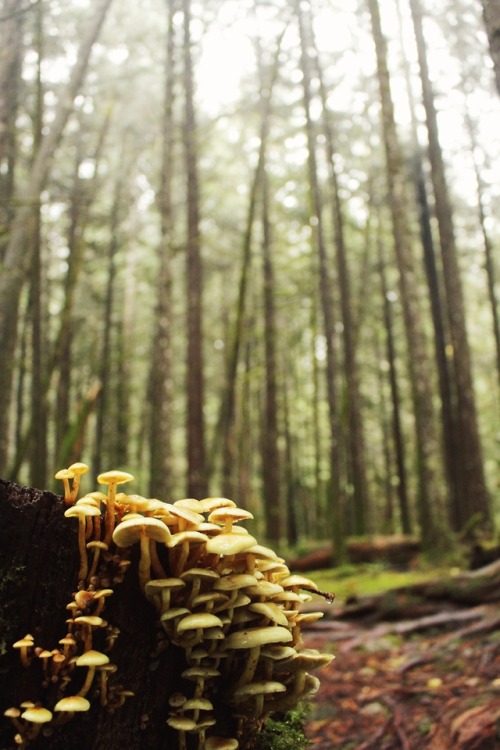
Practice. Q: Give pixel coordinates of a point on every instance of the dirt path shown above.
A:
(432, 683)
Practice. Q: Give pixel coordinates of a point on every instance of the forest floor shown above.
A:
(430, 681)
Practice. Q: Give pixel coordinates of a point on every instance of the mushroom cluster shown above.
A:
(229, 603)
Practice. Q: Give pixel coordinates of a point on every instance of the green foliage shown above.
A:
(285, 731)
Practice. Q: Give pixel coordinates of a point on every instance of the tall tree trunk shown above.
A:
(271, 474)
(104, 371)
(446, 391)
(325, 293)
(474, 497)
(11, 51)
(224, 428)
(38, 447)
(195, 429)
(160, 377)
(491, 13)
(17, 252)
(489, 262)
(422, 392)
(397, 430)
(355, 433)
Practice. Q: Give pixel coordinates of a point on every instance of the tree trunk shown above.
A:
(160, 377)
(491, 13)
(325, 293)
(38, 568)
(17, 252)
(195, 430)
(474, 498)
(422, 393)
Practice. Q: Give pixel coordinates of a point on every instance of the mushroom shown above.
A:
(258, 691)
(36, 715)
(196, 576)
(90, 659)
(159, 591)
(112, 479)
(181, 724)
(78, 470)
(82, 511)
(24, 644)
(192, 626)
(65, 475)
(68, 706)
(185, 539)
(253, 639)
(96, 546)
(221, 743)
(141, 529)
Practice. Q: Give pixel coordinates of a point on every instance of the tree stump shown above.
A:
(38, 573)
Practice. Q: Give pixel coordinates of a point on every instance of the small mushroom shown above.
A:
(253, 639)
(78, 470)
(112, 479)
(141, 530)
(90, 659)
(24, 645)
(65, 475)
(82, 512)
(258, 691)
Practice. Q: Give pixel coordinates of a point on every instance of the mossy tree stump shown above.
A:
(38, 572)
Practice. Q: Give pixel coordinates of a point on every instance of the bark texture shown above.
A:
(38, 571)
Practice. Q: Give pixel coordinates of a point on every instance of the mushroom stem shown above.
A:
(156, 565)
(88, 682)
(250, 667)
(84, 564)
(109, 520)
(144, 563)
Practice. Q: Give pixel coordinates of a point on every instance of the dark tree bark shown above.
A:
(422, 392)
(355, 433)
(160, 377)
(474, 497)
(17, 252)
(397, 430)
(101, 450)
(11, 51)
(491, 13)
(326, 301)
(38, 569)
(195, 428)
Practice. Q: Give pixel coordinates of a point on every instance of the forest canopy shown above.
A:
(249, 248)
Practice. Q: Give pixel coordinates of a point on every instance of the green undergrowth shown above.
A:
(285, 731)
(352, 581)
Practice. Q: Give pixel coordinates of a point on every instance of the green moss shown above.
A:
(285, 731)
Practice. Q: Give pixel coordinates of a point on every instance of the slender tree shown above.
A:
(422, 392)
(325, 293)
(195, 430)
(474, 498)
(17, 252)
(491, 14)
(160, 378)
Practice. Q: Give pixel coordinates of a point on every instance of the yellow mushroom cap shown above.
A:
(229, 544)
(78, 468)
(270, 610)
(114, 477)
(37, 715)
(72, 703)
(264, 687)
(252, 637)
(181, 723)
(92, 658)
(130, 531)
(64, 474)
(221, 743)
(221, 515)
(208, 504)
(198, 620)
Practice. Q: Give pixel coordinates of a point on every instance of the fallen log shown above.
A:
(397, 550)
